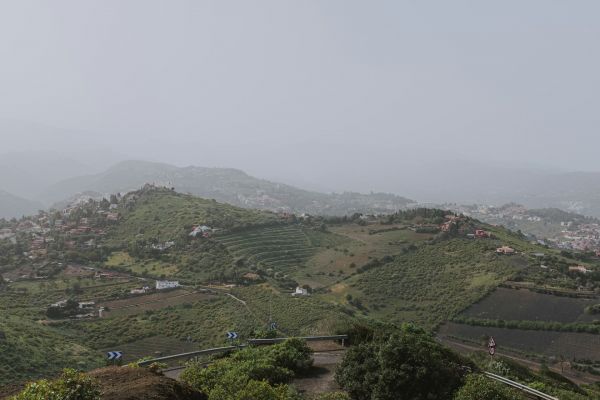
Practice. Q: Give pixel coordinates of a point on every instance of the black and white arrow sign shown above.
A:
(114, 355)
(232, 335)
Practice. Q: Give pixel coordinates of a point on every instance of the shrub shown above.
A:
(71, 385)
(263, 369)
(408, 365)
(478, 387)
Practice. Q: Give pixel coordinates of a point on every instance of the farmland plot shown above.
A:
(154, 301)
(552, 344)
(511, 304)
(278, 247)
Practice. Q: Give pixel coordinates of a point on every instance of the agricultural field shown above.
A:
(279, 248)
(361, 245)
(426, 284)
(124, 261)
(569, 345)
(155, 301)
(523, 304)
(304, 315)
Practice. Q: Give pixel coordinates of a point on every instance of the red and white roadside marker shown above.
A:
(492, 346)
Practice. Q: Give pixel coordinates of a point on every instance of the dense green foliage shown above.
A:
(71, 385)
(478, 387)
(408, 365)
(31, 350)
(261, 372)
(531, 325)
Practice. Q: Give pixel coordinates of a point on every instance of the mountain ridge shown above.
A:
(15, 206)
(229, 185)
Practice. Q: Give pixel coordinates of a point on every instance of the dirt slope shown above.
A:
(123, 383)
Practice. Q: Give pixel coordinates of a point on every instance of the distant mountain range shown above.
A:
(15, 206)
(43, 180)
(480, 183)
(225, 185)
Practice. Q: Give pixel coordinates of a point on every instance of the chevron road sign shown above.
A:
(114, 355)
(232, 335)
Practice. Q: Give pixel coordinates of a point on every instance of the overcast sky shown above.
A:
(342, 94)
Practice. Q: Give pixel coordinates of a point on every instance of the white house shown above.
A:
(300, 291)
(161, 285)
(199, 230)
(140, 291)
(87, 304)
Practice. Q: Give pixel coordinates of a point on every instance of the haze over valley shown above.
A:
(299, 200)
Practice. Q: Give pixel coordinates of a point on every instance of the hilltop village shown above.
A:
(552, 227)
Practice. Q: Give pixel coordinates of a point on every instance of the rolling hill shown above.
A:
(393, 269)
(225, 185)
(15, 206)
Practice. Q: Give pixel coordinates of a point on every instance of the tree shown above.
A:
(408, 365)
(478, 387)
(71, 385)
(252, 373)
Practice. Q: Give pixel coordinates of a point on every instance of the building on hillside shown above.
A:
(251, 276)
(143, 290)
(6, 233)
(201, 230)
(87, 304)
(59, 304)
(112, 216)
(480, 233)
(163, 246)
(162, 285)
(505, 250)
(579, 268)
(300, 291)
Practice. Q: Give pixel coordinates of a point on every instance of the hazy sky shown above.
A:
(339, 93)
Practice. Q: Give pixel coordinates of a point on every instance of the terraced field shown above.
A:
(278, 247)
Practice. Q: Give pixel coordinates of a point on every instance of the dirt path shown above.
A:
(577, 377)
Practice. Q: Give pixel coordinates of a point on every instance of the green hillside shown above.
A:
(162, 214)
(413, 266)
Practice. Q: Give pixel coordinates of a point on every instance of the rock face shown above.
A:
(124, 383)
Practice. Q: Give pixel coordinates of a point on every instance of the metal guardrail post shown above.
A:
(520, 386)
(240, 346)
